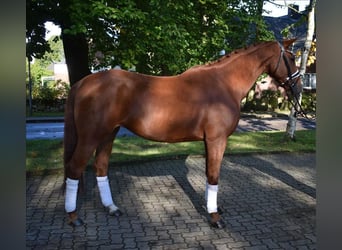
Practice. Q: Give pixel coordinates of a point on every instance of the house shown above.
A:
(292, 23)
(60, 73)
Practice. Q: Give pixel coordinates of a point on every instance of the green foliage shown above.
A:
(270, 100)
(48, 94)
(56, 54)
(36, 45)
(39, 67)
(157, 37)
(162, 38)
(309, 102)
(51, 91)
(167, 38)
(50, 97)
(273, 101)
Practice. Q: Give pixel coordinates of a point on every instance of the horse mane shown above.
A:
(232, 55)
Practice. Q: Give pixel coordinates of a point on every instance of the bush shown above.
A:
(309, 101)
(50, 97)
(273, 100)
(269, 101)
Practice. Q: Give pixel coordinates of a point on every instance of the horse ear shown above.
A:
(287, 43)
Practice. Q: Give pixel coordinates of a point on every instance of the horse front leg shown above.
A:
(214, 153)
(102, 156)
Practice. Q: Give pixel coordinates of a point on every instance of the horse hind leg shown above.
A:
(74, 170)
(102, 156)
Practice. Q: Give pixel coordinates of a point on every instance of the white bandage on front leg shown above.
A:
(71, 195)
(211, 197)
(105, 193)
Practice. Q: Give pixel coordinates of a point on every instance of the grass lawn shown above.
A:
(47, 155)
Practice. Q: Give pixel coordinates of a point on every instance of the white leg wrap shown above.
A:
(211, 197)
(105, 193)
(71, 195)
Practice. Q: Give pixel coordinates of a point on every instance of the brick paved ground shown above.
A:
(268, 201)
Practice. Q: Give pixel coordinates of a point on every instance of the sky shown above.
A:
(275, 12)
(51, 30)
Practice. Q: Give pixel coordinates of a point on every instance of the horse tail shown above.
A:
(70, 133)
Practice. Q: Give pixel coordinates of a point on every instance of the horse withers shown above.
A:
(201, 104)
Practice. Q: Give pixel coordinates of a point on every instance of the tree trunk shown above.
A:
(291, 125)
(76, 56)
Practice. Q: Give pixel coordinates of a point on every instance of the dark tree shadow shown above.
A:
(268, 168)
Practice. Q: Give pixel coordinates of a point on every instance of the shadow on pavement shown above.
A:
(266, 205)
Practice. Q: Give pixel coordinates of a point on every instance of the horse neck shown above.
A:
(240, 73)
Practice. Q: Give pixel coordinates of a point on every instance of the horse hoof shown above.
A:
(116, 213)
(219, 210)
(216, 221)
(218, 224)
(76, 223)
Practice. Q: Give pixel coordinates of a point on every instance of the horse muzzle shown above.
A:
(296, 87)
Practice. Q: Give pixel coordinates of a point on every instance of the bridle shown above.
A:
(292, 78)
(291, 81)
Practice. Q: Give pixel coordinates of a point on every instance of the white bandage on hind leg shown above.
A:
(105, 193)
(71, 195)
(211, 197)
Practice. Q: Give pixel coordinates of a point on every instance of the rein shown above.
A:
(291, 80)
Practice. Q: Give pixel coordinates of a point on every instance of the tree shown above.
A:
(156, 37)
(75, 44)
(39, 68)
(291, 125)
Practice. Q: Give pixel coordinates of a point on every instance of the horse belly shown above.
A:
(167, 125)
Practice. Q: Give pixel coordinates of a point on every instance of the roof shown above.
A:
(298, 29)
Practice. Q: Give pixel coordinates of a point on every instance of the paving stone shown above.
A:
(268, 200)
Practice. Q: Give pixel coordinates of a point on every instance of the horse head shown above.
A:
(285, 71)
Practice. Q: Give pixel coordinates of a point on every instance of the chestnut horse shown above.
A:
(201, 104)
